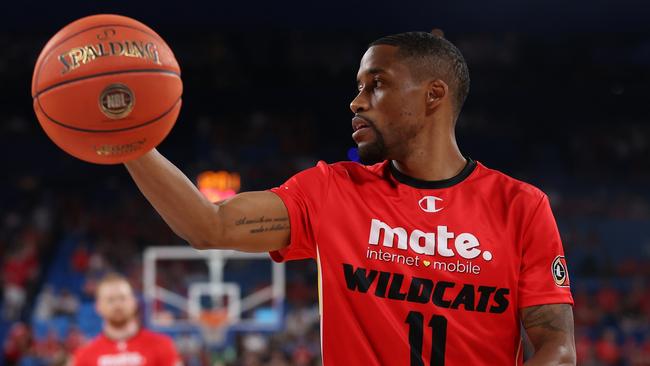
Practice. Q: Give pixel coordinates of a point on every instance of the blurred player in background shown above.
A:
(123, 342)
(425, 256)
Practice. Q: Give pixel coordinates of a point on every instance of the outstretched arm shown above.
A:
(251, 222)
(550, 329)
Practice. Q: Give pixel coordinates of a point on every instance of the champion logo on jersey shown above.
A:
(121, 346)
(430, 204)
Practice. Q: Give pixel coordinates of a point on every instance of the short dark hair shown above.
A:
(434, 56)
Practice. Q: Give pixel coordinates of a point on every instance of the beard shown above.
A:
(375, 151)
(119, 320)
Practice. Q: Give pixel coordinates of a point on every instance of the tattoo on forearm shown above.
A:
(264, 224)
(556, 318)
(264, 228)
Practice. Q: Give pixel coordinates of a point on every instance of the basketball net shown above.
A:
(214, 325)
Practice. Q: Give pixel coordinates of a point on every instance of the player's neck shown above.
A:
(436, 157)
(121, 333)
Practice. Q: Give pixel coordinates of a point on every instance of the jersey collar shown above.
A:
(433, 184)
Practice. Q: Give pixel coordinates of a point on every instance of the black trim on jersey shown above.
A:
(433, 184)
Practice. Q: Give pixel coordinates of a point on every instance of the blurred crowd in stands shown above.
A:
(269, 109)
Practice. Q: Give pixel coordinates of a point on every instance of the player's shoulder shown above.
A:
(165, 346)
(151, 336)
(507, 185)
(355, 171)
(88, 349)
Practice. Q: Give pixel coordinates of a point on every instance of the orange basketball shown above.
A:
(106, 89)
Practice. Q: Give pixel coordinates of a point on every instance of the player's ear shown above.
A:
(437, 92)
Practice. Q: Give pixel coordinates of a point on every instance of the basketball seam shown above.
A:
(104, 74)
(103, 131)
(105, 25)
(38, 72)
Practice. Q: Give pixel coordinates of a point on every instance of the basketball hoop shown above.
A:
(216, 308)
(214, 325)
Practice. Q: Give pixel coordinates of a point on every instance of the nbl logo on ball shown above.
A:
(560, 272)
(116, 101)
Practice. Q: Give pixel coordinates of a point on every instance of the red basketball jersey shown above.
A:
(144, 348)
(423, 273)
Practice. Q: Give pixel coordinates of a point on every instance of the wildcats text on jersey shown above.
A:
(444, 294)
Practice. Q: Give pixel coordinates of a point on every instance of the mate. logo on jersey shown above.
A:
(560, 272)
(121, 359)
(462, 248)
(429, 204)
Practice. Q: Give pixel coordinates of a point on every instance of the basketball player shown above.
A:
(123, 342)
(425, 256)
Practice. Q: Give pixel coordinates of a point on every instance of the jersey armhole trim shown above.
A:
(320, 300)
(323, 202)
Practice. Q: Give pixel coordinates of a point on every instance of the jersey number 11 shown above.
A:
(438, 325)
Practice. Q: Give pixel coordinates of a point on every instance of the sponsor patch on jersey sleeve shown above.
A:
(559, 271)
